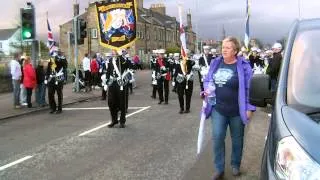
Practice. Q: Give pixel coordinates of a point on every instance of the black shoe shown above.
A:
(59, 112)
(166, 102)
(187, 111)
(52, 111)
(160, 102)
(112, 124)
(122, 126)
(218, 176)
(181, 111)
(102, 99)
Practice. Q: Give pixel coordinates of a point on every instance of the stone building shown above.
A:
(155, 30)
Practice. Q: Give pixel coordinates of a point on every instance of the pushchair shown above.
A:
(81, 81)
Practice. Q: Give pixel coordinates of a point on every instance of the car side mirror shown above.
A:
(260, 93)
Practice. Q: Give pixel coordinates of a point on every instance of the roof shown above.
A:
(5, 34)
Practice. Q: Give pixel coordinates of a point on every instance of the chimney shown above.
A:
(189, 22)
(75, 8)
(140, 4)
(160, 8)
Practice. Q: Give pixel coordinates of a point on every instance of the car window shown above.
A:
(304, 70)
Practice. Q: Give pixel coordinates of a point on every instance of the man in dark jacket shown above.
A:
(41, 87)
(55, 78)
(184, 83)
(117, 86)
(204, 63)
(274, 68)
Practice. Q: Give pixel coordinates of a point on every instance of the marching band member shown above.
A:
(163, 77)
(184, 82)
(153, 62)
(204, 63)
(55, 78)
(104, 68)
(117, 81)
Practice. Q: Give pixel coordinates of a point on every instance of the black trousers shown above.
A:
(104, 94)
(127, 96)
(163, 84)
(94, 79)
(130, 87)
(29, 94)
(117, 102)
(51, 92)
(87, 78)
(201, 83)
(154, 90)
(182, 91)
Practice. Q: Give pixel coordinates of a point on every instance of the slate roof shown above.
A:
(5, 34)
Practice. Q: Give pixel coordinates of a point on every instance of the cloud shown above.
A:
(270, 20)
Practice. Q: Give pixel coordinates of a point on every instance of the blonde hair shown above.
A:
(235, 42)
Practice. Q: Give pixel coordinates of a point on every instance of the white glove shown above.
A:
(100, 70)
(45, 82)
(173, 83)
(105, 87)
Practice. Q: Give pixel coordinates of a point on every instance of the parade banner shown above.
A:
(117, 23)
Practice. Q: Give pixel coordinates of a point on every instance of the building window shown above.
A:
(94, 33)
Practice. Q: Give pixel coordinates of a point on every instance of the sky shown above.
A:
(270, 20)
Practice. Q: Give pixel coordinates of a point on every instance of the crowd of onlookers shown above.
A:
(25, 79)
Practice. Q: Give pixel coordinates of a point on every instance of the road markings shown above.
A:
(104, 125)
(96, 108)
(15, 162)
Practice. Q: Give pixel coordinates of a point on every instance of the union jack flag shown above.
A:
(51, 43)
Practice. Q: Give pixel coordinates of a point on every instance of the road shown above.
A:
(158, 143)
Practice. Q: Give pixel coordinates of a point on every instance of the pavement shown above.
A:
(69, 97)
(158, 143)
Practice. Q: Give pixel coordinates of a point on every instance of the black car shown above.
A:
(292, 148)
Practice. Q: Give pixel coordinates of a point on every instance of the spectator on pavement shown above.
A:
(16, 74)
(41, 87)
(231, 76)
(23, 92)
(94, 67)
(87, 73)
(29, 80)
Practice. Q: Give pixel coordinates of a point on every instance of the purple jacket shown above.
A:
(244, 74)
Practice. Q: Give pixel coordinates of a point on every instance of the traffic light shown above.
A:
(27, 24)
(82, 31)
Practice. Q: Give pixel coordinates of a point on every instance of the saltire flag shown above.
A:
(182, 38)
(247, 33)
(51, 43)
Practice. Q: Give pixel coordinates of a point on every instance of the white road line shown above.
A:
(96, 108)
(104, 125)
(15, 162)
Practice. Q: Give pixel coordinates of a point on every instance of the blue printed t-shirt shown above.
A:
(227, 86)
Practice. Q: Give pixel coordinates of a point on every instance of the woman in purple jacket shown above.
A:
(231, 76)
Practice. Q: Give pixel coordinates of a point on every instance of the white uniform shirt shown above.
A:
(86, 64)
(15, 68)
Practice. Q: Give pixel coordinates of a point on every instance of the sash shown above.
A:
(118, 73)
(205, 60)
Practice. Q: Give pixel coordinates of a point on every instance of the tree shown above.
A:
(173, 49)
